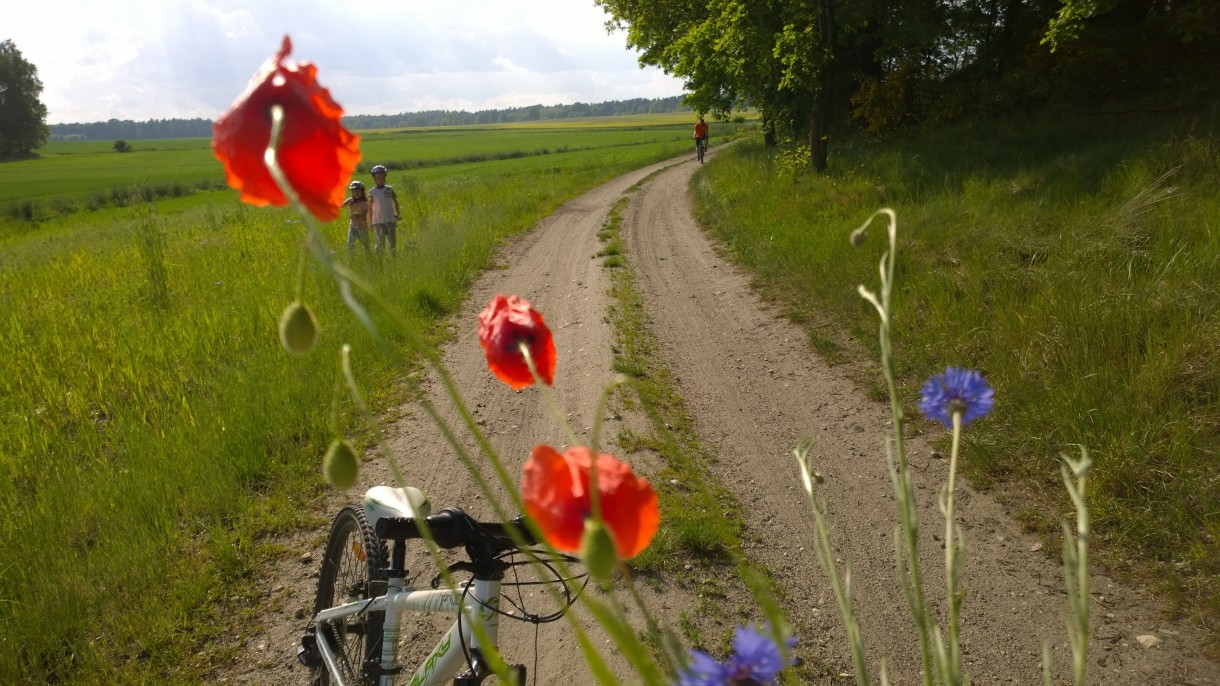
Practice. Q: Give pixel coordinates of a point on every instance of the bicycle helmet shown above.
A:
(355, 184)
(378, 169)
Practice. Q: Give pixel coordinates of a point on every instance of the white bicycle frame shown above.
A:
(482, 599)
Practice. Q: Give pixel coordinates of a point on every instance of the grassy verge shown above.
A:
(154, 436)
(701, 534)
(1076, 263)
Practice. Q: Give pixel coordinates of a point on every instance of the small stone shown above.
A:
(306, 558)
(1148, 640)
(299, 614)
(1035, 547)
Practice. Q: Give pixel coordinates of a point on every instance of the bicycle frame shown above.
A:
(482, 598)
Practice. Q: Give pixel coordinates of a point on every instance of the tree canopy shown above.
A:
(23, 117)
(812, 65)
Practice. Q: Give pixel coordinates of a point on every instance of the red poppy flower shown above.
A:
(556, 494)
(316, 153)
(506, 323)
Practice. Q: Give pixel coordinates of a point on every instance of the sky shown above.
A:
(167, 59)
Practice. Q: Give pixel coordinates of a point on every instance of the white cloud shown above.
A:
(144, 59)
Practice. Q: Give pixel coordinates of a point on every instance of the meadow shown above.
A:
(153, 434)
(1075, 261)
(70, 176)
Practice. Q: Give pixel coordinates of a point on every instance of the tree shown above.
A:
(23, 117)
(122, 146)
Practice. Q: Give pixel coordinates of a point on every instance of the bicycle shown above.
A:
(700, 148)
(353, 637)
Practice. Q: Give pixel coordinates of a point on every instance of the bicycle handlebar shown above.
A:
(452, 528)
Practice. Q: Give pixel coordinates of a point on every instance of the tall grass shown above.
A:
(146, 402)
(1076, 263)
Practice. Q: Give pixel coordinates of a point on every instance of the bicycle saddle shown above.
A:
(386, 501)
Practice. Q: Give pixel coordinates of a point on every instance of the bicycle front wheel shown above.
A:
(354, 558)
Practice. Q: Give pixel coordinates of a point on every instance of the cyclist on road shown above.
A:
(700, 134)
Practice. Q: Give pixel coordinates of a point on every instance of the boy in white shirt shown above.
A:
(383, 211)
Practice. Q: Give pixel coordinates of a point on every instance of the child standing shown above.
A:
(384, 211)
(358, 219)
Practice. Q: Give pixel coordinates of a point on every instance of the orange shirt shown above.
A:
(701, 130)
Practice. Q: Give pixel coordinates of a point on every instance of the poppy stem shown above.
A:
(672, 660)
(547, 394)
(301, 272)
(316, 245)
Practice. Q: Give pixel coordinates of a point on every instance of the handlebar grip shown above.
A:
(452, 528)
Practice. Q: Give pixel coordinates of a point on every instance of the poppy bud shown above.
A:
(298, 329)
(598, 553)
(339, 465)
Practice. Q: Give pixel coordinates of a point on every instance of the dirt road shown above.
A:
(755, 389)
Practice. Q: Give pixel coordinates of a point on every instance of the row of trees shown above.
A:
(125, 129)
(813, 65)
(198, 128)
(517, 114)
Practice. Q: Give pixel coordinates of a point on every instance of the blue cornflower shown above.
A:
(957, 390)
(756, 660)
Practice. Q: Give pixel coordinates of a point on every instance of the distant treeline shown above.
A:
(125, 129)
(516, 114)
(116, 129)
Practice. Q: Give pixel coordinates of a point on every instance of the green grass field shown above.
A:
(153, 433)
(69, 176)
(1075, 262)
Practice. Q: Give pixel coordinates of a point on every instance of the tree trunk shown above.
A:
(819, 120)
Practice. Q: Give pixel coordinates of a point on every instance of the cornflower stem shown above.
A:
(1076, 562)
(952, 666)
(841, 587)
(910, 578)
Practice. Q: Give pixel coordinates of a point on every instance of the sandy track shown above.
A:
(755, 389)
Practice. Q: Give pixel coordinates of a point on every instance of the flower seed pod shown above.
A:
(298, 329)
(340, 465)
(598, 553)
